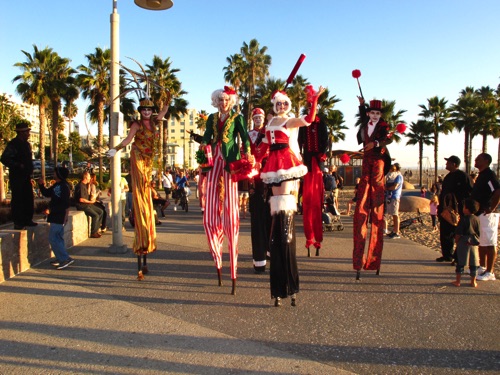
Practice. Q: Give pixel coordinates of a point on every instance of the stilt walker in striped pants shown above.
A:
(221, 215)
(283, 167)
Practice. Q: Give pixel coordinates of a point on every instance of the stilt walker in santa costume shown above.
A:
(374, 135)
(313, 143)
(283, 167)
(260, 216)
(221, 209)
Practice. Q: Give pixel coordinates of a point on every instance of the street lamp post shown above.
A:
(115, 119)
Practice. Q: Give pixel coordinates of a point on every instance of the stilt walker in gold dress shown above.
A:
(145, 135)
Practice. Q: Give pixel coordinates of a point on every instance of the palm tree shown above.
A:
(420, 134)
(94, 81)
(297, 94)
(438, 114)
(160, 72)
(334, 122)
(32, 88)
(70, 110)
(463, 114)
(257, 63)
(235, 74)
(487, 114)
(60, 81)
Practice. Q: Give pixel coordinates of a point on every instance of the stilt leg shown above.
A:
(144, 265)
(233, 289)
(317, 251)
(219, 276)
(140, 275)
(358, 275)
(294, 300)
(378, 271)
(308, 252)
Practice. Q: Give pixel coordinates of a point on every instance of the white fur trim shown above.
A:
(303, 119)
(283, 203)
(260, 263)
(282, 175)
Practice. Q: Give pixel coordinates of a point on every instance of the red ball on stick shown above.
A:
(401, 128)
(344, 158)
(356, 73)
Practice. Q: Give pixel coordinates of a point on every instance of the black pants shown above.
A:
(260, 221)
(22, 202)
(447, 239)
(284, 271)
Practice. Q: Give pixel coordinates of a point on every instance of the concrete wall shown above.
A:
(22, 249)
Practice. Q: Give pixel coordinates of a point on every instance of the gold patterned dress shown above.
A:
(141, 168)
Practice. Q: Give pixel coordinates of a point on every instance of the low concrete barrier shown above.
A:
(22, 249)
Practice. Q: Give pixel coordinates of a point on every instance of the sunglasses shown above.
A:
(282, 103)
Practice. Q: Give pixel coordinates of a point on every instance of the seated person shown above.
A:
(85, 202)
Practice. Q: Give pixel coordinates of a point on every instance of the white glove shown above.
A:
(111, 152)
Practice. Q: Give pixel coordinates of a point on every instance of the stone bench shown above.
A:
(22, 249)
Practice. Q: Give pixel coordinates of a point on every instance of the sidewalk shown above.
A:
(96, 318)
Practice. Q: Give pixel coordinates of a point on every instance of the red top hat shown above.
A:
(375, 105)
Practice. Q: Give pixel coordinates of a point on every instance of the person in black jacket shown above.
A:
(458, 184)
(17, 157)
(58, 215)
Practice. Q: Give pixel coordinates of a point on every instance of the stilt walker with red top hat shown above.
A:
(283, 167)
(260, 216)
(313, 142)
(221, 217)
(374, 135)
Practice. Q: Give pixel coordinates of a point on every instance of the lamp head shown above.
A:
(154, 4)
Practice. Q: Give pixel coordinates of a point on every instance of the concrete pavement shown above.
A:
(96, 318)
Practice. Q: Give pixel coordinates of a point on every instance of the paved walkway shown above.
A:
(96, 318)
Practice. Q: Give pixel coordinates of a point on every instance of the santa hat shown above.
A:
(281, 96)
(258, 112)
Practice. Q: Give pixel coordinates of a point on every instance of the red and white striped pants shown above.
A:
(222, 215)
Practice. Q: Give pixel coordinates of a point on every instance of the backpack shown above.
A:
(329, 182)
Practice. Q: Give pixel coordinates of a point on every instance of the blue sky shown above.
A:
(407, 51)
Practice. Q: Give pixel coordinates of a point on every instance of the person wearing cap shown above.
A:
(18, 157)
(221, 217)
(486, 192)
(458, 185)
(374, 135)
(59, 195)
(260, 215)
(282, 171)
(313, 143)
(145, 136)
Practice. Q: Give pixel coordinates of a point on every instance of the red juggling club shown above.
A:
(295, 70)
